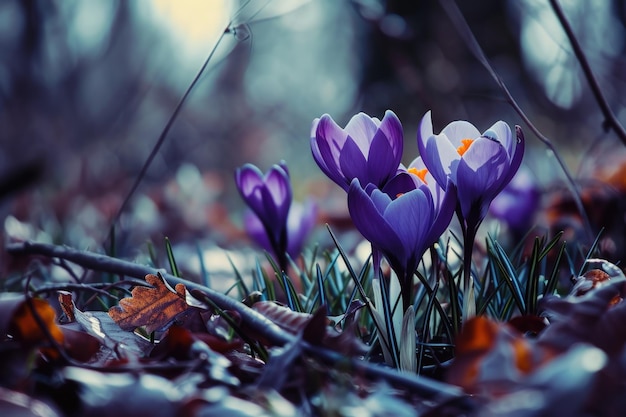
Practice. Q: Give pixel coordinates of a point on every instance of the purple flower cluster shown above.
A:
(404, 211)
(401, 211)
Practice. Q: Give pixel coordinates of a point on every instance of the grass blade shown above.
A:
(171, 259)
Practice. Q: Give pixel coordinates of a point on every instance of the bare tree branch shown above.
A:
(420, 385)
(162, 137)
(610, 120)
(466, 33)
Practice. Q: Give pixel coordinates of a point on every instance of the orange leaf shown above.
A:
(26, 328)
(150, 307)
(489, 354)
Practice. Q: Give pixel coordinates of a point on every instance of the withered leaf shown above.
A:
(19, 320)
(597, 317)
(79, 345)
(67, 305)
(153, 308)
(492, 355)
(178, 343)
(282, 316)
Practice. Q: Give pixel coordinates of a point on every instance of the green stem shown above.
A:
(469, 236)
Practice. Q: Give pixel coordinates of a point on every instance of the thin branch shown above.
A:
(610, 120)
(466, 33)
(163, 135)
(422, 386)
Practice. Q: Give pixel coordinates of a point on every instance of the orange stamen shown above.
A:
(399, 195)
(420, 173)
(465, 146)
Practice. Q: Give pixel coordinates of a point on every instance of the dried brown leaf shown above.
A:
(153, 308)
(79, 345)
(597, 317)
(67, 305)
(492, 356)
(282, 316)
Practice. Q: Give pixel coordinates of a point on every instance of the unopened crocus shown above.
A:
(401, 226)
(480, 165)
(269, 197)
(300, 222)
(368, 149)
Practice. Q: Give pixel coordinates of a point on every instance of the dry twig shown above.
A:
(427, 388)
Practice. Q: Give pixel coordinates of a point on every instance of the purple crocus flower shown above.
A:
(367, 148)
(518, 202)
(269, 197)
(479, 165)
(300, 222)
(401, 225)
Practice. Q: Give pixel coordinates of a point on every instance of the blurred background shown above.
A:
(87, 87)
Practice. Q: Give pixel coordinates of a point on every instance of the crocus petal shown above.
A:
(325, 159)
(479, 175)
(502, 133)
(300, 222)
(516, 157)
(392, 128)
(270, 215)
(277, 183)
(256, 231)
(401, 183)
(248, 178)
(441, 158)
(458, 130)
(370, 222)
(382, 163)
(445, 210)
(326, 147)
(380, 199)
(425, 130)
(352, 162)
(411, 218)
(331, 132)
(438, 161)
(362, 128)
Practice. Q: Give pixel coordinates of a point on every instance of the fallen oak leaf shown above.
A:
(153, 308)
(93, 336)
